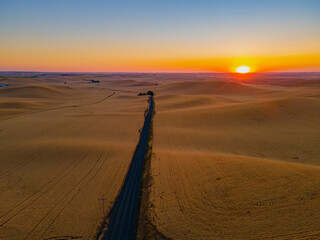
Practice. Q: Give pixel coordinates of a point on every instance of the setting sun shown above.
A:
(243, 69)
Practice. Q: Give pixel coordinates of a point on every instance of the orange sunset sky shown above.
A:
(160, 36)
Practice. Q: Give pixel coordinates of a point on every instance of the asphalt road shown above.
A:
(124, 213)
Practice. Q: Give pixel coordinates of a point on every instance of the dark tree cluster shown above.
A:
(147, 93)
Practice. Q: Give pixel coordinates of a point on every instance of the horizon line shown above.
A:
(129, 72)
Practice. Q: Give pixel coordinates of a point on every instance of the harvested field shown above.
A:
(62, 149)
(230, 159)
(236, 166)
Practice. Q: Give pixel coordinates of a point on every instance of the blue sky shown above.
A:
(169, 29)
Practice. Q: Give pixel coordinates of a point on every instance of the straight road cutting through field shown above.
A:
(124, 213)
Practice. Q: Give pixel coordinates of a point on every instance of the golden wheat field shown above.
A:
(63, 146)
(237, 160)
(231, 158)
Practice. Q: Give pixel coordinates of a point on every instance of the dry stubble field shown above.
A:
(237, 160)
(231, 159)
(63, 146)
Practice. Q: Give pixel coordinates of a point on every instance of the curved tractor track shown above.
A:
(62, 107)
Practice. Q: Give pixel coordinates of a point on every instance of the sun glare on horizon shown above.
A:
(243, 69)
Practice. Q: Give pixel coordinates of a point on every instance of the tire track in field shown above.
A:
(92, 177)
(62, 107)
(43, 186)
(23, 163)
(118, 90)
(61, 199)
(75, 133)
(59, 180)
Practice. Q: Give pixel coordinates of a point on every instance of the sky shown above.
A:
(159, 35)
